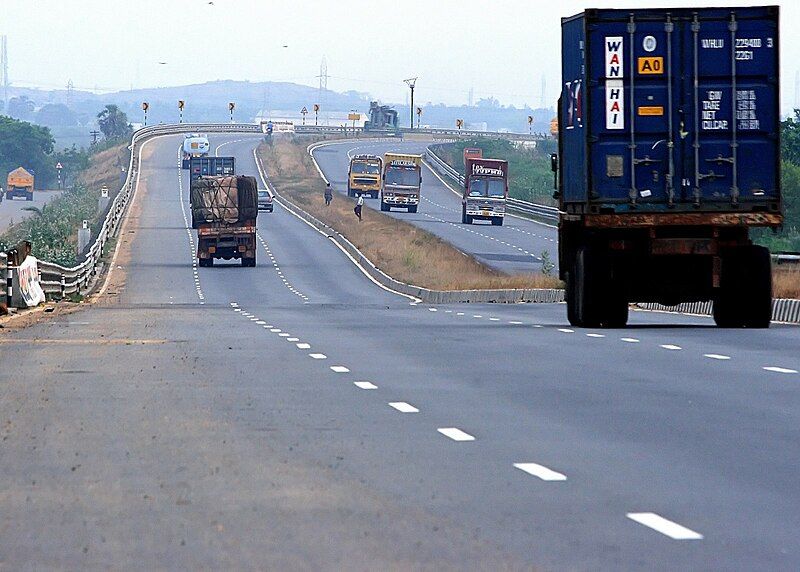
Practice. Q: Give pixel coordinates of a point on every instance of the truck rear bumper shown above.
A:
(631, 220)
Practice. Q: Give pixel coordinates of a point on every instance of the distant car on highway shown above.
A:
(265, 199)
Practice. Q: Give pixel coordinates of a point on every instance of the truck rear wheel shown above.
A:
(745, 296)
(206, 262)
(249, 262)
(497, 221)
(350, 192)
(586, 289)
(384, 206)
(412, 209)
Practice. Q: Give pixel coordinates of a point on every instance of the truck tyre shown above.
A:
(587, 289)
(463, 214)
(616, 311)
(729, 305)
(758, 302)
(249, 262)
(374, 194)
(350, 192)
(413, 209)
(497, 221)
(206, 262)
(384, 206)
(29, 197)
(569, 297)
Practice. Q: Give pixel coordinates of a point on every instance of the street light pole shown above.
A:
(411, 83)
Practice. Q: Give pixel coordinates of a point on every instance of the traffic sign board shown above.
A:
(59, 166)
(316, 107)
(304, 111)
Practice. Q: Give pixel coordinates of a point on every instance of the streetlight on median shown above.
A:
(411, 83)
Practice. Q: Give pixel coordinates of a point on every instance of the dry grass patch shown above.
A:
(402, 250)
(105, 168)
(785, 282)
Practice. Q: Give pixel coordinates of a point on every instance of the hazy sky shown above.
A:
(500, 48)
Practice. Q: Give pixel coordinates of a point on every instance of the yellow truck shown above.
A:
(401, 181)
(364, 176)
(19, 184)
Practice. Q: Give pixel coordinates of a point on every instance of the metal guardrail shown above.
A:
(60, 280)
(542, 211)
(454, 133)
(790, 258)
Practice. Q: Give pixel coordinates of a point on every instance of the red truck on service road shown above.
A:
(485, 190)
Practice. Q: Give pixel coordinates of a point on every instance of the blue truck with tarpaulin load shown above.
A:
(669, 153)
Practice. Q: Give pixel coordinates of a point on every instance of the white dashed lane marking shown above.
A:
(540, 471)
(403, 407)
(279, 272)
(304, 346)
(671, 347)
(339, 369)
(595, 335)
(630, 340)
(777, 369)
(664, 526)
(717, 356)
(565, 330)
(455, 434)
(317, 356)
(365, 385)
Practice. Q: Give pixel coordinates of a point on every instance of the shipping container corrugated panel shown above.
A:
(671, 109)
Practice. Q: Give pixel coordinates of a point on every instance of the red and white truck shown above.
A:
(485, 190)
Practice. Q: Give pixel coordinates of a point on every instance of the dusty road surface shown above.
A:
(296, 416)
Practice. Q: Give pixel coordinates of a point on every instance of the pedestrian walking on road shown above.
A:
(328, 194)
(359, 206)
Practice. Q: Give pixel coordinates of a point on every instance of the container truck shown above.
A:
(224, 212)
(207, 166)
(364, 176)
(194, 145)
(485, 191)
(19, 184)
(669, 155)
(401, 181)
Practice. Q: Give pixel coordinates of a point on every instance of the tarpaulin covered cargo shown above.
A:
(229, 200)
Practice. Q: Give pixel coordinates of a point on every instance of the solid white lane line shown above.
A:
(565, 330)
(317, 356)
(304, 346)
(664, 526)
(455, 434)
(541, 471)
(365, 385)
(716, 356)
(595, 335)
(630, 340)
(671, 347)
(777, 369)
(403, 407)
(339, 369)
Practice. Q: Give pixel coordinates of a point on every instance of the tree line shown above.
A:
(23, 144)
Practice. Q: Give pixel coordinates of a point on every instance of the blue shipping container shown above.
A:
(211, 166)
(670, 109)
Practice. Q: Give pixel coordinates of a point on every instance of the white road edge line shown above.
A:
(541, 471)
(664, 526)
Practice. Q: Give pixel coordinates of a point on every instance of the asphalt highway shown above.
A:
(297, 416)
(516, 247)
(11, 210)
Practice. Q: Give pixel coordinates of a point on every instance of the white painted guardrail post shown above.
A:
(9, 278)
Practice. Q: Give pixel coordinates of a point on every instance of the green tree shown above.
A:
(114, 123)
(790, 138)
(28, 146)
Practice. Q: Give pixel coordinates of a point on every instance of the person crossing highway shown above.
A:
(328, 194)
(359, 206)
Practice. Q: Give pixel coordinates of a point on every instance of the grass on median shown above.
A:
(400, 249)
(785, 282)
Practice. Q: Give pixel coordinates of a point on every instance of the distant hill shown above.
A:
(72, 114)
